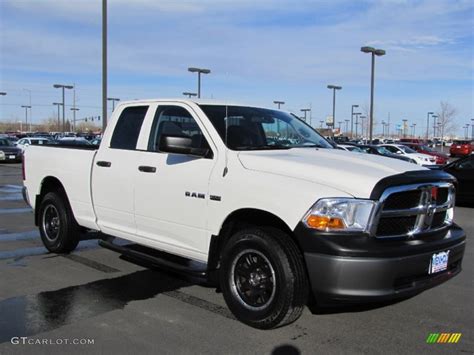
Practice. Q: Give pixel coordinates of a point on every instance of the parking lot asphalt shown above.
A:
(95, 295)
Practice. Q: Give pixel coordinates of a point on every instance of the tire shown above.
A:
(263, 278)
(58, 228)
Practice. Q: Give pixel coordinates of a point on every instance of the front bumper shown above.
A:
(382, 270)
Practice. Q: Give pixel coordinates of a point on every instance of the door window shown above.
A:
(175, 121)
(128, 127)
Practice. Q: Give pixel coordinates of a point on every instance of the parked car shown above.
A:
(463, 170)
(25, 142)
(461, 148)
(350, 148)
(402, 150)
(412, 140)
(96, 141)
(10, 152)
(72, 141)
(270, 223)
(441, 158)
(379, 150)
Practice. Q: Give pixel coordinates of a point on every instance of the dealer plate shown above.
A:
(439, 262)
(11, 157)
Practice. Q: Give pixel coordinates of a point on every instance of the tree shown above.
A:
(446, 115)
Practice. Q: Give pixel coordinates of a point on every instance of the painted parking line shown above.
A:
(15, 210)
(22, 252)
(11, 237)
(12, 197)
(10, 188)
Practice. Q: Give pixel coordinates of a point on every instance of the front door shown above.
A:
(172, 190)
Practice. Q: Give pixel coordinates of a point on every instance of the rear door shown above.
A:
(172, 190)
(114, 172)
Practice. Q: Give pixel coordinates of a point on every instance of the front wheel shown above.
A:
(263, 278)
(58, 228)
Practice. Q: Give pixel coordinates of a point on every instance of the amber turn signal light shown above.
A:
(324, 222)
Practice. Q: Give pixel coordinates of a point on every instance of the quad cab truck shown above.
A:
(252, 200)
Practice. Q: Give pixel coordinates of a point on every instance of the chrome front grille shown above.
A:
(410, 210)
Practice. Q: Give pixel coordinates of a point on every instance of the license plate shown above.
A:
(439, 262)
(11, 157)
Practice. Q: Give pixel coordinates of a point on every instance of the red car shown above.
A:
(461, 148)
(441, 158)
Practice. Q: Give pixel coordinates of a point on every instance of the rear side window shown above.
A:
(128, 128)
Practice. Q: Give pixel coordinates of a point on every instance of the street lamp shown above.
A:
(374, 52)
(334, 88)
(414, 130)
(347, 126)
(305, 110)
(199, 71)
(428, 124)
(61, 86)
(279, 103)
(472, 129)
(189, 94)
(26, 107)
(59, 117)
(114, 100)
(467, 130)
(352, 118)
(74, 110)
(434, 117)
(2, 93)
(321, 122)
(356, 114)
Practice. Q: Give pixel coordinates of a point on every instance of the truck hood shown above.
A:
(352, 173)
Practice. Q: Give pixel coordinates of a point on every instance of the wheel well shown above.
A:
(241, 219)
(48, 184)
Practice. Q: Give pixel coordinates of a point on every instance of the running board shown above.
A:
(158, 258)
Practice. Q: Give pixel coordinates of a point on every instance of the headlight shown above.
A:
(340, 214)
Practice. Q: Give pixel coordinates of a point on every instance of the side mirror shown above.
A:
(180, 145)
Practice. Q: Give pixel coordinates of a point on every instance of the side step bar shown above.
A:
(158, 258)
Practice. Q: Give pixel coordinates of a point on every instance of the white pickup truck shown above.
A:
(254, 200)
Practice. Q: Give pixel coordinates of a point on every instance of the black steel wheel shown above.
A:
(262, 277)
(58, 228)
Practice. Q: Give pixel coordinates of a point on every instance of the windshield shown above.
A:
(406, 149)
(250, 128)
(5, 142)
(383, 151)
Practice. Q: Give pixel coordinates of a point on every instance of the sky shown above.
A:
(258, 52)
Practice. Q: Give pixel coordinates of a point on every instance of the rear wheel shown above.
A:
(263, 278)
(59, 231)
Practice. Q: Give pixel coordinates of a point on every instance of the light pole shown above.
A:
(347, 126)
(189, 94)
(467, 130)
(428, 124)
(279, 103)
(383, 129)
(305, 110)
(114, 100)
(405, 128)
(74, 110)
(472, 128)
(334, 88)
(61, 86)
(104, 65)
(434, 117)
(356, 114)
(321, 122)
(352, 118)
(374, 52)
(414, 130)
(59, 117)
(199, 71)
(26, 107)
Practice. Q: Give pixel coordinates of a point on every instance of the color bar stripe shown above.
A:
(443, 338)
(454, 338)
(432, 338)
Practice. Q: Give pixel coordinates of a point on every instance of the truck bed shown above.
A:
(72, 166)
